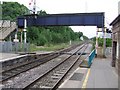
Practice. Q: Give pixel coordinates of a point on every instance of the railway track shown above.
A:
(26, 66)
(25, 84)
(52, 78)
(14, 71)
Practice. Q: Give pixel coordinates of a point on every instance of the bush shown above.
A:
(57, 38)
(108, 42)
(41, 41)
(100, 42)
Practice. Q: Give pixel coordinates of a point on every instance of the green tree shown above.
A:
(41, 40)
(108, 42)
(47, 34)
(41, 13)
(32, 34)
(11, 10)
(57, 38)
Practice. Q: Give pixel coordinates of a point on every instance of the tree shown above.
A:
(42, 13)
(11, 10)
(32, 34)
(41, 40)
(47, 34)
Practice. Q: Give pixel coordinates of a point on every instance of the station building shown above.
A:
(116, 43)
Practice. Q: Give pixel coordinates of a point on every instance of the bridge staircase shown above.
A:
(6, 28)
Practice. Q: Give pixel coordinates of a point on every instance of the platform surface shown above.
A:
(101, 75)
(7, 55)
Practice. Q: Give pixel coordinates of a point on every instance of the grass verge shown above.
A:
(50, 47)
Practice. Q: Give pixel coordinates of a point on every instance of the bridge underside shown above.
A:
(77, 19)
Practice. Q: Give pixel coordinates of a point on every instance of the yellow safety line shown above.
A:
(86, 80)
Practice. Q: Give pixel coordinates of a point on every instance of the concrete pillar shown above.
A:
(97, 40)
(104, 42)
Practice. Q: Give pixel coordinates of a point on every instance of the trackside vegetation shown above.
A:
(100, 42)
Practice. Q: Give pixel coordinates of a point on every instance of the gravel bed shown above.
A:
(24, 79)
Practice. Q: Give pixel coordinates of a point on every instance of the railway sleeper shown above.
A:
(14, 71)
(48, 85)
(55, 77)
(45, 87)
(57, 74)
(7, 74)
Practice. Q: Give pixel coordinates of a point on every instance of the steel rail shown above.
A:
(37, 79)
(56, 84)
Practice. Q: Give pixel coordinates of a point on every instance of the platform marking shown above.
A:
(86, 79)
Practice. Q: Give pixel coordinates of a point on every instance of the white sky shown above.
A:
(110, 7)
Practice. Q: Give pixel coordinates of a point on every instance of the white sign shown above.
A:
(16, 40)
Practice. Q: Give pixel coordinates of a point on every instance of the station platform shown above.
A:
(9, 60)
(99, 75)
(7, 55)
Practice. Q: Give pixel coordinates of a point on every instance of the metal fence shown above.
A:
(13, 47)
(91, 57)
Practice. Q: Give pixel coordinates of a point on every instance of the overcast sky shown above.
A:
(110, 7)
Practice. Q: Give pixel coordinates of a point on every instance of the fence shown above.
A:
(91, 57)
(13, 47)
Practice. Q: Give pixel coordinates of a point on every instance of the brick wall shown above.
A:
(115, 42)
